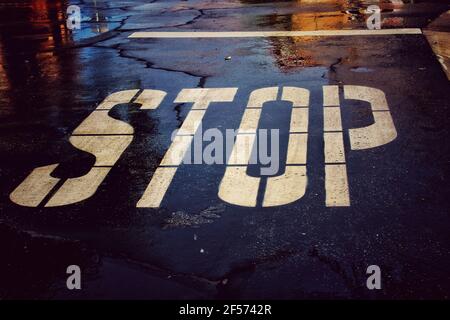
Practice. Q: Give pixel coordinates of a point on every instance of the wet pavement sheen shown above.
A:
(196, 245)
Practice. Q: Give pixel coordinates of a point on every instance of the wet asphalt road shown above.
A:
(196, 245)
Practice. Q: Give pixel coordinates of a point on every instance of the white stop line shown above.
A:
(267, 34)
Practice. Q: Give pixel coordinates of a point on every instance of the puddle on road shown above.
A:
(43, 23)
(307, 15)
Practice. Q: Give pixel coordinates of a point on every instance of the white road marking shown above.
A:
(299, 113)
(331, 96)
(237, 187)
(99, 122)
(157, 188)
(100, 135)
(77, 189)
(150, 99)
(249, 121)
(116, 98)
(382, 131)
(297, 146)
(200, 98)
(175, 154)
(106, 149)
(266, 34)
(332, 119)
(107, 138)
(286, 188)
(298, 96)
(336, 186)
(191, 123)
(374, 96)
(299, 120)
(334, 147)
(260, 96)
(242, 149)
(36, 186)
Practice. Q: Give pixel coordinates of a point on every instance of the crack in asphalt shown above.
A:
(332, 70)
(223, 284)
(193, 20)
(93, 41)
(151, 65)
(350, 281)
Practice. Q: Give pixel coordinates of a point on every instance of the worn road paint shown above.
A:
(336, 181)
(334, 147)
(299, 120)
(247, 191)
(32, 191)
(242, 149)
(237, 187)
(107, 150)
(78, 189)
(382, 131)
(336, 186)
(157, 188)
(107, 138)
(201, 99)
(191, 123)
(297, 146)
(291, 186)
(175, 154)
(332, 120)
(100, 135)
(116, 98)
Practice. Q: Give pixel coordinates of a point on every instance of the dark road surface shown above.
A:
(196, 245)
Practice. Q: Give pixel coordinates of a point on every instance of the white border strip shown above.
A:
(265, 34)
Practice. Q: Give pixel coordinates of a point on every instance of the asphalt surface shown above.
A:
(196, 245)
